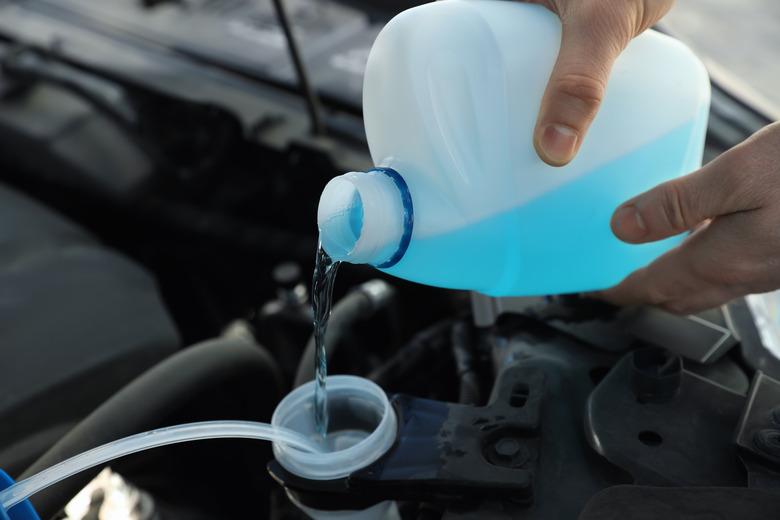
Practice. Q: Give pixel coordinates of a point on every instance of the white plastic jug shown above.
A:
(461, 199)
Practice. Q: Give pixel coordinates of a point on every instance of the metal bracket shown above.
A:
(680, 438)
(446, 453)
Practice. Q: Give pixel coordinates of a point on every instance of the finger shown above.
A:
(589, 46)
(673, 276)
(710, 267)
(679, 205)
(663, 281)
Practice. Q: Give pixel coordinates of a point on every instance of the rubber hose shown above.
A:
(150, 399)
(358, 305)
(422, 349)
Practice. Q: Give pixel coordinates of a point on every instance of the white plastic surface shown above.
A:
(24, 489)
(349, 450)
(361, 218)
(451, 96)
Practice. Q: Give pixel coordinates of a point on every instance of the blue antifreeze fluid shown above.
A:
(460, 199)
(553, 244)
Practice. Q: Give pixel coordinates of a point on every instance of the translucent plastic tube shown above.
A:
(24, 489)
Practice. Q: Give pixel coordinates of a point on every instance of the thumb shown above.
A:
(589, 47)
(679, 205)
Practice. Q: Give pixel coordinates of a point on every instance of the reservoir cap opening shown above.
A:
(363, 427)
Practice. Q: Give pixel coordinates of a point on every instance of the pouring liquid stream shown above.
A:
(325, 270)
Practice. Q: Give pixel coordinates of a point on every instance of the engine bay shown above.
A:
(159, 187)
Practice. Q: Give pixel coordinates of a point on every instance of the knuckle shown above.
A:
(585, 90)
(673, 207)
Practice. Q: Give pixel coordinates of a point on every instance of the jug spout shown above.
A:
(366, 217)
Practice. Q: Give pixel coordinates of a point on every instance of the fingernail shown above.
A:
(629, 223)
(559, 143)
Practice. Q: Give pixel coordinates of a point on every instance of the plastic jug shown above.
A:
(460, 198)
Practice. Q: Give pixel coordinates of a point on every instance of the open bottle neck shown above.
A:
(366, 217)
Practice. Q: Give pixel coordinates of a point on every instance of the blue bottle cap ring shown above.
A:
(406, 201)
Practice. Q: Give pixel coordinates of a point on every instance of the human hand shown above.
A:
(595, 32)
(733, 206)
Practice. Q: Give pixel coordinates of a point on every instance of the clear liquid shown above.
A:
(325, 270)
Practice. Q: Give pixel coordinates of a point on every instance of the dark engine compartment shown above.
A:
(159, 175)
